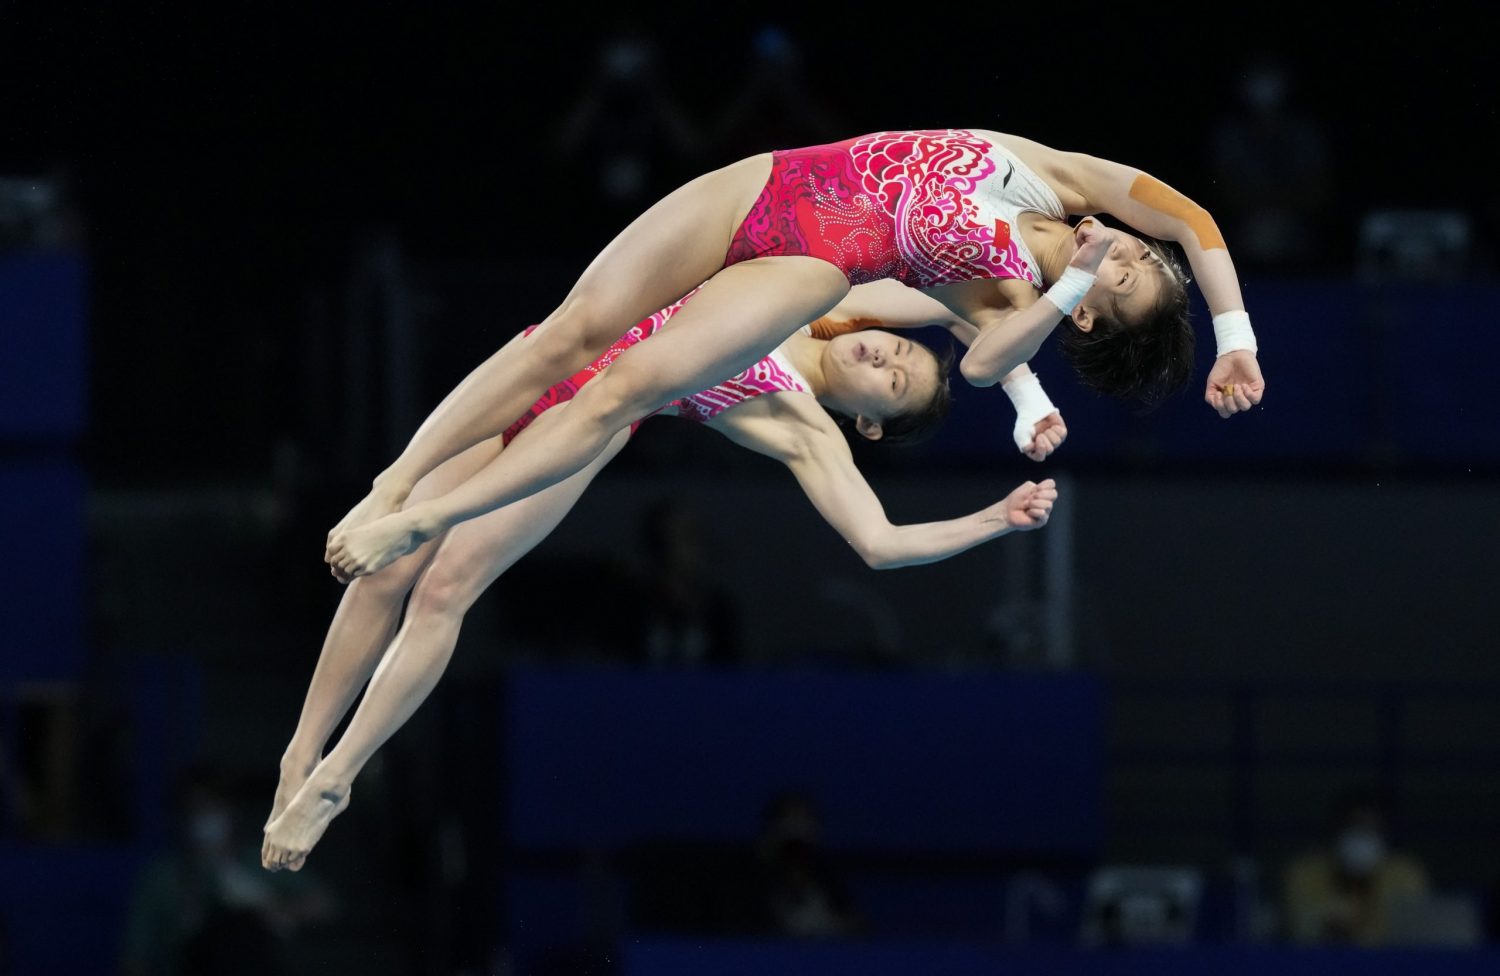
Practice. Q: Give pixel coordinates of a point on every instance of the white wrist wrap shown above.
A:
(1067, 291)
(1031, 403)
(1232, 331)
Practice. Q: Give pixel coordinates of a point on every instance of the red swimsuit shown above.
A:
(924, 207)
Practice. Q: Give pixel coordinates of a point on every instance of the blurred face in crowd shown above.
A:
(208, 821)
(1360, 843)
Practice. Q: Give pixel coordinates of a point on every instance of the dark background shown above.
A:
(226, 157)
(1261, 612)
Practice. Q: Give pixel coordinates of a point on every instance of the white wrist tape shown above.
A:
(1067, 291)
(1232, 332)
(1031, 403)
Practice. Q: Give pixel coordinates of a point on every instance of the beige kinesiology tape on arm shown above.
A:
(1152, 192)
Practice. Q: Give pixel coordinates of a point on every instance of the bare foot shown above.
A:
(292, 835)
(368, 549)
(381, 501)
(293, 775)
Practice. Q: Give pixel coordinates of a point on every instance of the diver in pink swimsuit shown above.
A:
(776, 241)
(890, 385)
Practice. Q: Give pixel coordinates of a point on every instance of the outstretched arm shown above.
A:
(811, 445)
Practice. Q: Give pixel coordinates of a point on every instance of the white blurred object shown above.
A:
(1414, 245)
(34, 213)
(1142, 906)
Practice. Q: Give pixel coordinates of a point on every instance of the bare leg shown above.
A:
(741, 314)
(665, 253)
(362, 627)
(467, 561)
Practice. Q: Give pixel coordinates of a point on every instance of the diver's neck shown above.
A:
(1053, 244)
(806, 356)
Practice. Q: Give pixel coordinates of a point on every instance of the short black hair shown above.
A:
(1147, 362)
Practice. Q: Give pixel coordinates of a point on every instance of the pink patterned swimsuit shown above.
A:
(925, 207)
(773, 374)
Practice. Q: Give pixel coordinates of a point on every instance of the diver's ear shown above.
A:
(1083, 317)
(868, 428)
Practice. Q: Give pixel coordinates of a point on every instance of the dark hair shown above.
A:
(916, 425)
(1356, 800)
(1147, 362)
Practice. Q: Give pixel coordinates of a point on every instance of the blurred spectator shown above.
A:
(776, 106)
(626, 132)
(207, 906)
(39, 213)
(1415, 245)
(799, 894)
(1344, 891)
(683, 616)
(1142, 906)
(1273, 176)
(44, 790)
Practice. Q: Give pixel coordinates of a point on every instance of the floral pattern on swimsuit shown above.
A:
(905, 205)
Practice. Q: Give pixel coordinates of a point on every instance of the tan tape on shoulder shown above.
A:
(1158, 196)
(827, 328)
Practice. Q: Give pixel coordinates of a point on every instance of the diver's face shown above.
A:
(878, 375)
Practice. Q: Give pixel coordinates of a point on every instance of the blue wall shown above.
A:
(42, 578)
(1355, 374)
(1000, 764)
(43, 312)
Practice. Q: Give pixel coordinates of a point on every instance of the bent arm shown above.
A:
(887, 304)
(1154, 208)
(890, 305)
(1006, 341)
(1003, 322)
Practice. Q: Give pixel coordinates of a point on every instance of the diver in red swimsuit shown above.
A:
(976, 219)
